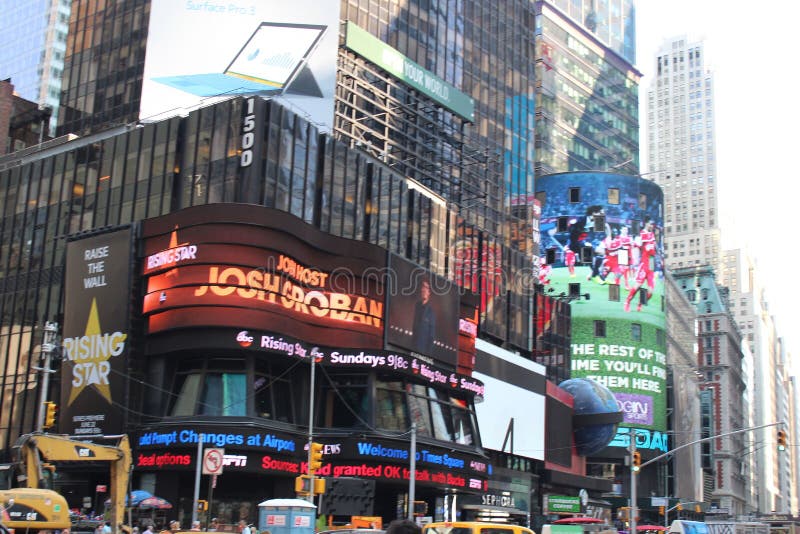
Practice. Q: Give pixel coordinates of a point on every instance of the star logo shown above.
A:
(90, 355)
(173, 244)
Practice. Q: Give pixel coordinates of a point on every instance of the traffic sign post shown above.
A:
(212, 461)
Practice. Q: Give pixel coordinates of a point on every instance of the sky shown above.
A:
(750, 49)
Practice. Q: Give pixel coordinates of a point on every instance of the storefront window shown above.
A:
(419, 410)
(274, 390)
(345, 401)
(391, 412)
(210, 387)
(436, 414)
(224, 394)
(219, 394)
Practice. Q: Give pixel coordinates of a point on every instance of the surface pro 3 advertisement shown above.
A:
(200, 53)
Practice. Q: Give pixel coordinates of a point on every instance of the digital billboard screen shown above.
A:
(244, 266)
(423, 312)
(601, 251)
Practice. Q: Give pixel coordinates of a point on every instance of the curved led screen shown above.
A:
(601, 250)
(245, 266)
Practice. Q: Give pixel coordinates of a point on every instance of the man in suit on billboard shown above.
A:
(424, 320)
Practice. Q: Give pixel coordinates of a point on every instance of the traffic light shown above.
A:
(661, 510)
(302, 485)
(202, 505)
(50, 414)
(636, 460)
(781, 440)
(315, 460)
(679, 507)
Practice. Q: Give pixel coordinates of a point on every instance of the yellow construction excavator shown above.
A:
(33, 506)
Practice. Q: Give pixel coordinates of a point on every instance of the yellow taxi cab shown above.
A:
(473, 527)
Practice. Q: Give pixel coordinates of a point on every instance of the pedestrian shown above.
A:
(403, 526)
(107, 527)
(243, 528)
(149, 530)
(195, 526)
(214, 525)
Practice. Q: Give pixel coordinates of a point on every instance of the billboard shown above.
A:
(390, 59)
(423, 312)
(514, 398)
(246, 266)
(601, 251)
(199, 53)
(95, 334)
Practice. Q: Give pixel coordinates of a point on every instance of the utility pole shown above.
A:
(412, 479)
(311, 473)
(48, 348)
(634, 473)
(197, 474)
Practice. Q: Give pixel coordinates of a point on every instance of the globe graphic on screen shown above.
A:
(592, 398)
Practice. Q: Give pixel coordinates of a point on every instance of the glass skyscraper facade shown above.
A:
(587, 114)
(33, 38)
(103, 65)
(612, 22)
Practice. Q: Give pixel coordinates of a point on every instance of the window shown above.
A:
(599, 223)
(574, 194)
(599, 329)
(211, 394)
(436, 414)
(613, 293)
(636, 331)
(274, 391)
(587, 253)
(391, 412)
(345, 401)
(447, 421)
(661, 338)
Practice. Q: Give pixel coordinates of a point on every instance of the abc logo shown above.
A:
(244, 338)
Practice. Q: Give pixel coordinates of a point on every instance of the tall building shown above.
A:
(33, 41)
(690, 472)
(719, 360)
(681, 152)
(103, 65)
(587, 103)
(769, 393)
(611, 22)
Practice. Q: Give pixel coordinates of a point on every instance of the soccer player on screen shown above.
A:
(644, 272)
